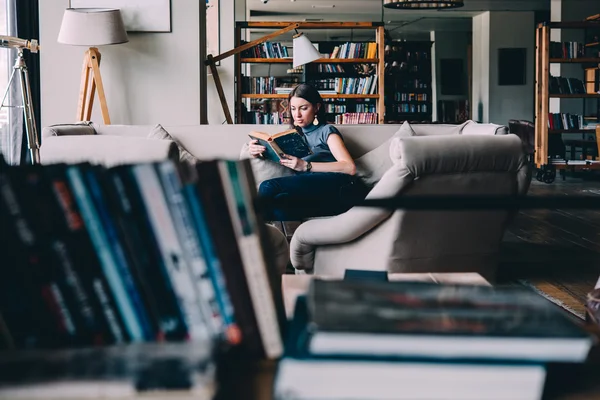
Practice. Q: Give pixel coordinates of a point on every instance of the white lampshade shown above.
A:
(92, 27)
(304, 51)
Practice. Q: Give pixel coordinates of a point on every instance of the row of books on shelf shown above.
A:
(330, 68)
(261, 84)
(368, 339)
(136, 253)
(287, 89)
(356, 118)
(266, 50)
(355, 85)
(567, 50)
(407, 84)
(562, 161)
(399, 96)
(409, 56)
(562, 85)
(266, 118)
(396, 67)
(408, 108)
(355, 50)
(565, 121)
(343, 108)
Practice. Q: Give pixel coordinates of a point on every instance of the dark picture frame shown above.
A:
(452, 76)
(512, 65)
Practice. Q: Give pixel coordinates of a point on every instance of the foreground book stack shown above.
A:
(159, 252)
(400, 340)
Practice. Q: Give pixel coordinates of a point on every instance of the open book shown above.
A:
(290, 142)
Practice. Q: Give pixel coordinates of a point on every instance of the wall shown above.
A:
(152, 79)
(449, 45)
(481, 68)
(512, 102)
(492, 102)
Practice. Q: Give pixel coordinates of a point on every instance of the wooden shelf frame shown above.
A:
(319, 61)
(542, 95)
(581, 60)
(378, 27)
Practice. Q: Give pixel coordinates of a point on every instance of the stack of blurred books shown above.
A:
(401, 340)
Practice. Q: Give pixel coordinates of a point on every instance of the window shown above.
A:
(10, 118)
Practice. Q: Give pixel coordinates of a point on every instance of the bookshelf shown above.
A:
(550, 148)
(408, 82)
(254, 106)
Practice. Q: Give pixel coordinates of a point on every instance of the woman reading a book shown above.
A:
(325, 182)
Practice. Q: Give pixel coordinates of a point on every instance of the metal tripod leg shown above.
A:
(32, 136)
(30, 126)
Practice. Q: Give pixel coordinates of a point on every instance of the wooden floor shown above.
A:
(556, 250)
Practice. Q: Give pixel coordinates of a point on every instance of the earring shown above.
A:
(316, 121)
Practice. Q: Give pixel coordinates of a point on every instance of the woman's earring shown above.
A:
(316, 121)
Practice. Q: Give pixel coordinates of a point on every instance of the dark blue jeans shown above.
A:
(313, 194)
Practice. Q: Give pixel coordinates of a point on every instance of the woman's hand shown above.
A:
(255, 149)
(295, 163)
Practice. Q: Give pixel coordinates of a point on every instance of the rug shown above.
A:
(559, 295)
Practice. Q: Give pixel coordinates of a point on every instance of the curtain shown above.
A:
(28, 27)
(22, 20)
(11, 129)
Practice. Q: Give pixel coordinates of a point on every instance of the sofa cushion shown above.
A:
(264, 170)
(160, 133)
(106, 150)
(76, 129)
(437, 129)
(371, 166)
(473, 128)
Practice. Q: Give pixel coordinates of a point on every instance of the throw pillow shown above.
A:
(160, 133)
(371, 166)
(264, 170)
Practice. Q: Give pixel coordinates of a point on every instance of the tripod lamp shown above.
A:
(92, 27)
(304, 53)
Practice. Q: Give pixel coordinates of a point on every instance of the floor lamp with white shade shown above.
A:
(92, 27)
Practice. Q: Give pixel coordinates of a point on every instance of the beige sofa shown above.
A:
(311, 250)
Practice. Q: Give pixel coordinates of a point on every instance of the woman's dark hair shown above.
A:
(310, 94)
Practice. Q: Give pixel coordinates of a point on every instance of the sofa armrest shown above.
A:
(83, 128)
(348, 226)
(106, 150)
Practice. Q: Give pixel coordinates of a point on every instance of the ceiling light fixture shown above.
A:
(423, 4)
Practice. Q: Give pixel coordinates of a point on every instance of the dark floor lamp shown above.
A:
(304, 52)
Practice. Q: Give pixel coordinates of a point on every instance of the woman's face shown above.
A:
(303, 111)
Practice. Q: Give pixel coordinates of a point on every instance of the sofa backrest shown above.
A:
(226, 141)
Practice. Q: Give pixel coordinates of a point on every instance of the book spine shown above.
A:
(213, 264)
(49, 219)
(123, 267)
(175, 263)
(54, 317)
(253, 261)
(182, 220)
(212, 197)
(101, 243)
(86, 259)
(150, 267)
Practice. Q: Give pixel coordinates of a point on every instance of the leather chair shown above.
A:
(422, 240)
